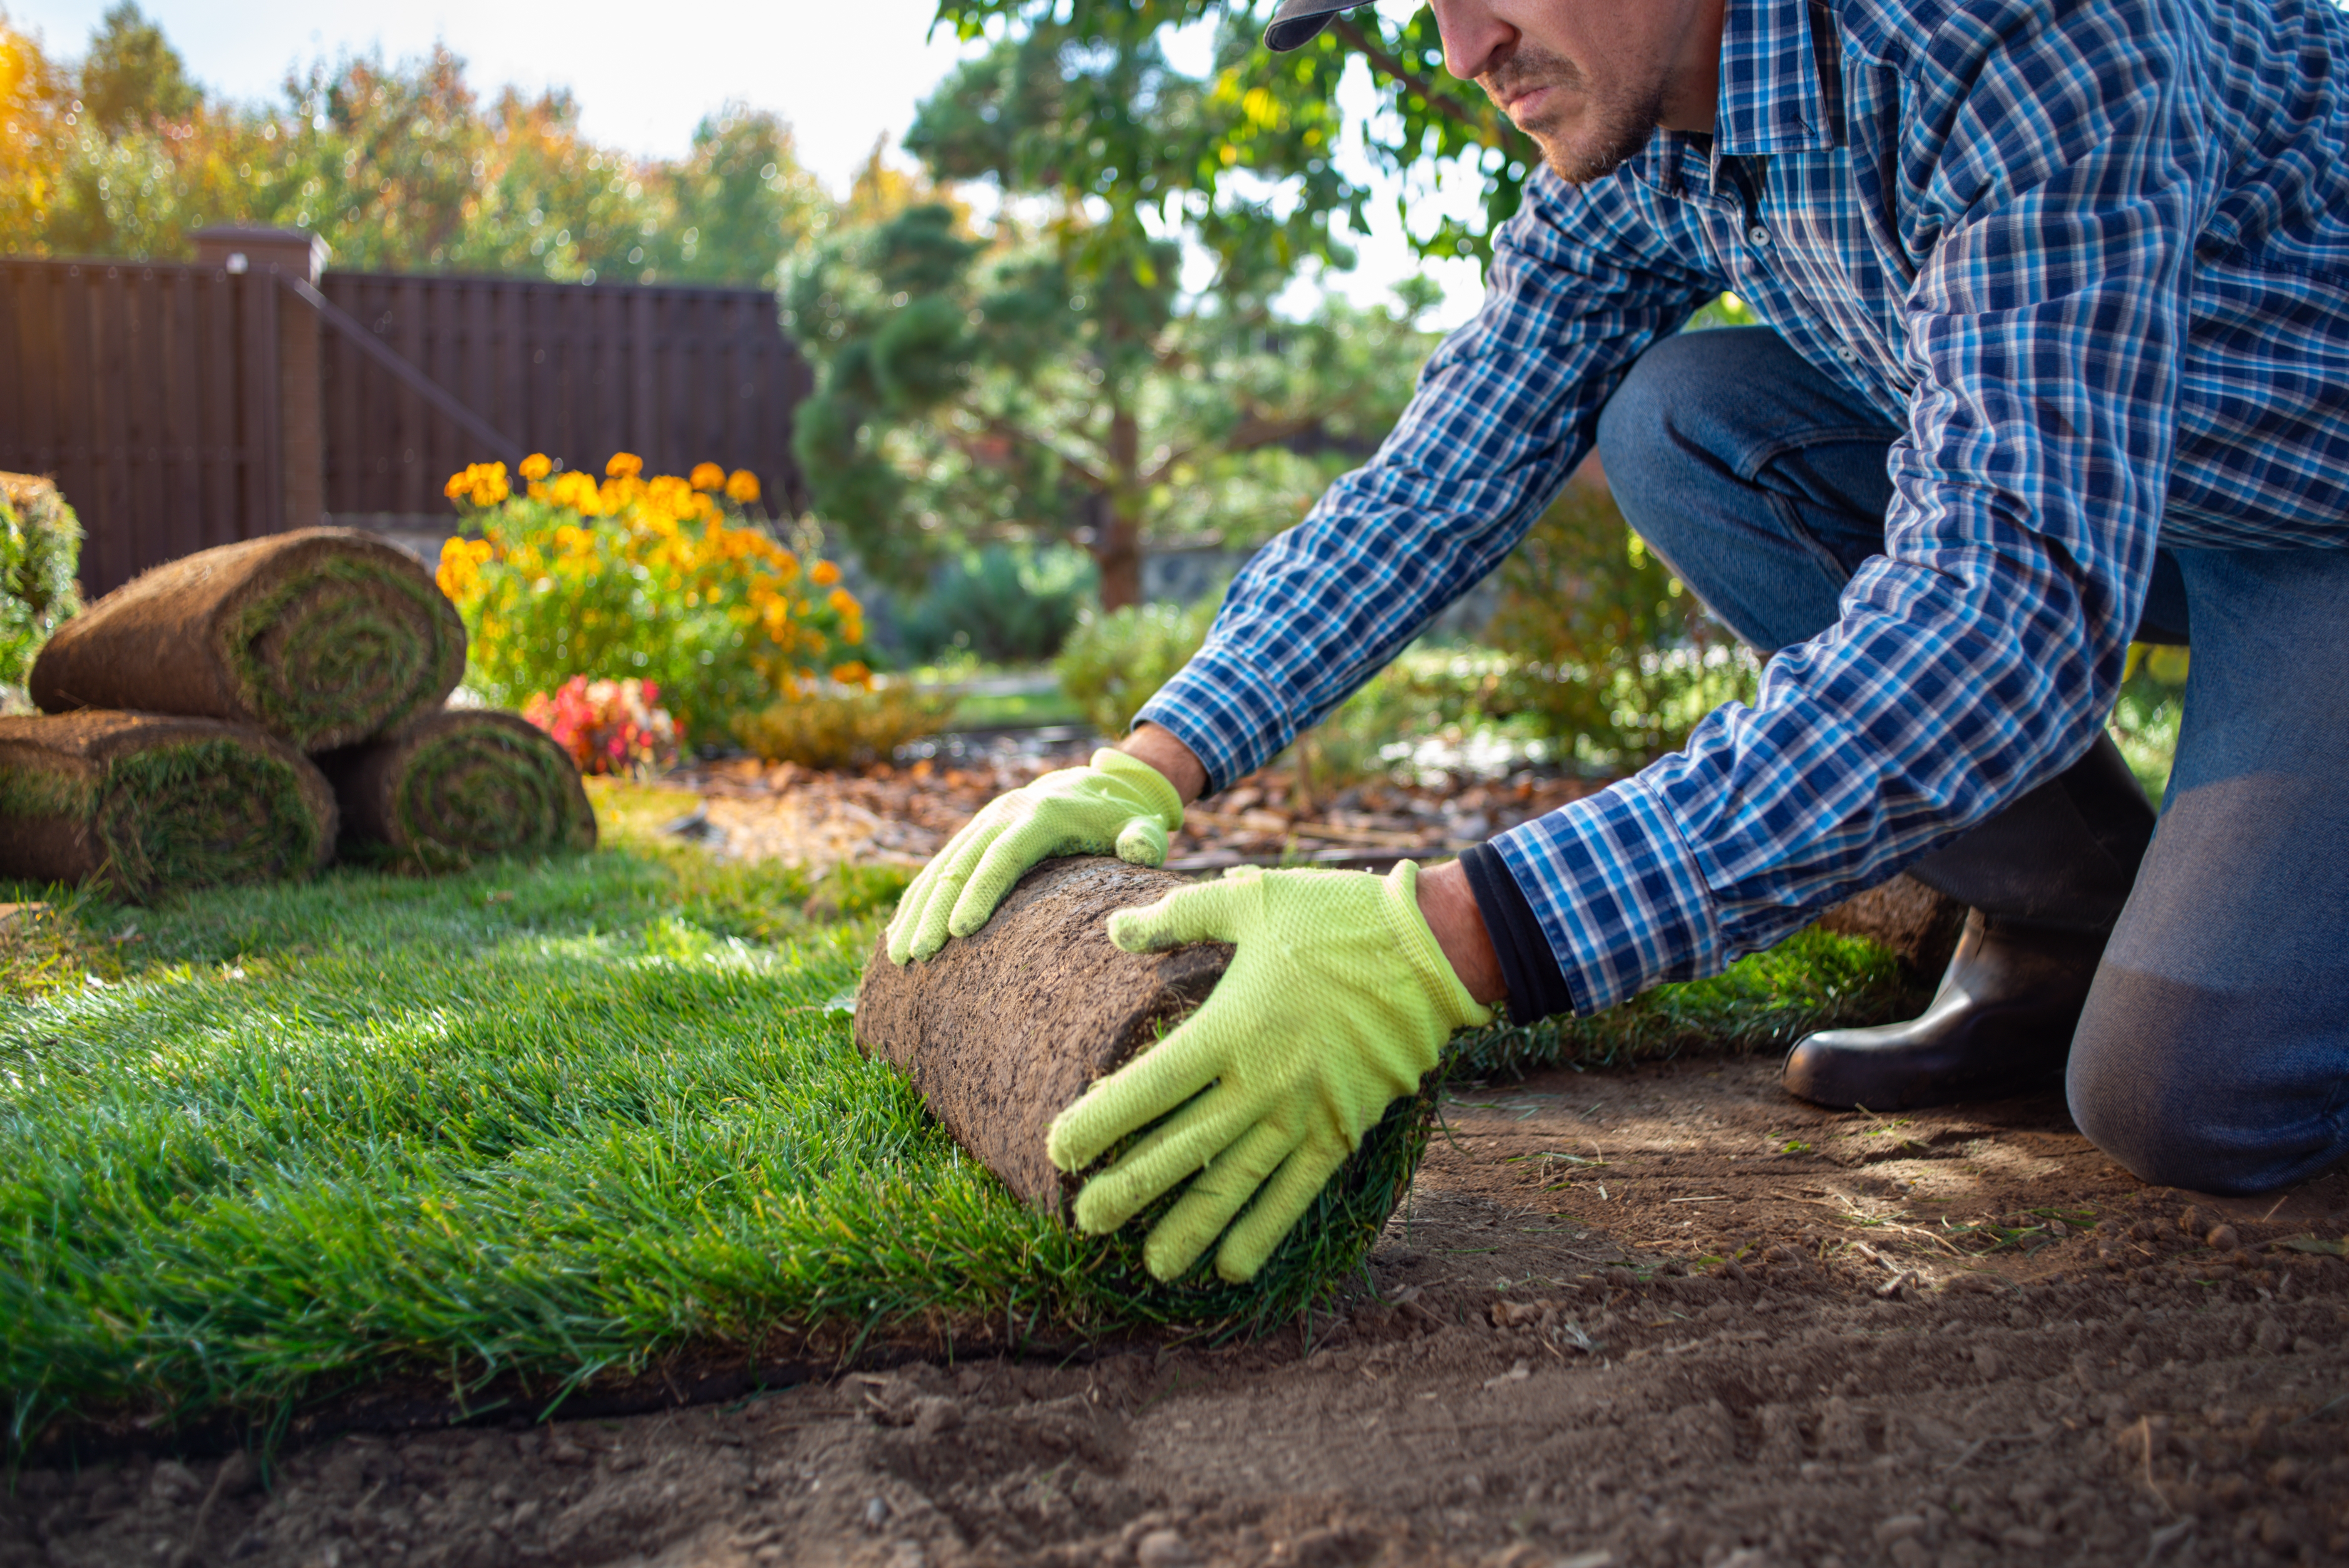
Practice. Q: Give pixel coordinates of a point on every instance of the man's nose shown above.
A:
(1475, 37)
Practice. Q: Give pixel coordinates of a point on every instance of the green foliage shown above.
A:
(132, 76)
(1116, 659)
(1424, 693)
(398, 166)
(843, 728)
(40, 548)
(645, 579)
(1002, 605)
(1614, 657)
(1258, 119)
(2145, 718)
(1054, 379)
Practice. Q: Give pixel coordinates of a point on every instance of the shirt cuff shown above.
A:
(1233, 722)
(1528, 968)
(1616, 894)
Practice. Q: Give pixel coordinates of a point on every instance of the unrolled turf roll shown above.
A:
(325, 636)
(1005, 1027)
(151, 803)
(461, 784)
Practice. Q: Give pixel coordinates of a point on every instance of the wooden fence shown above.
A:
(150, 393)
(678, 375)
(183, 406)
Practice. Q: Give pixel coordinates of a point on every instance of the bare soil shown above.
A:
(1656, 1317)
(888, 815)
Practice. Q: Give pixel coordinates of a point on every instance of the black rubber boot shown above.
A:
(2044, 881)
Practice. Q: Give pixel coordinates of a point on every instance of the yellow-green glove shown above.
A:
(1337, 1000)
(1115, 805)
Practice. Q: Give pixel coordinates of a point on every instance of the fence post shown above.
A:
(301, 443)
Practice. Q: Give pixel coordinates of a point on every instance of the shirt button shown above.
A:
(1758, 234)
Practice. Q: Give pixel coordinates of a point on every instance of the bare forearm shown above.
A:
(1449, 907)
(1152, 744)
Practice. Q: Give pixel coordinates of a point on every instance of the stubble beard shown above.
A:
(1612, 129)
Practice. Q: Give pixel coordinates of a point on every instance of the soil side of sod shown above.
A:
(2059, 1374)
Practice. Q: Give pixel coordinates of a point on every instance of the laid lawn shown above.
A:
(264, 1146)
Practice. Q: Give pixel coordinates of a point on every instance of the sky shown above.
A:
(843, 74)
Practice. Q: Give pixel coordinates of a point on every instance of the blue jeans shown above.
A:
(2214, 1051)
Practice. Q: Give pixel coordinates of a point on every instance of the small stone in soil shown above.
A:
(2222, 1239)
(876, 1515)
(1162, 1549)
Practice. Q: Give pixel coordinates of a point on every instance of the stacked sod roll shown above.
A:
(148, 803)
(459, 784)
(241, 669)
(323, 636)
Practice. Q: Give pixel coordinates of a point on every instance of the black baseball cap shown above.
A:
(1295, 22)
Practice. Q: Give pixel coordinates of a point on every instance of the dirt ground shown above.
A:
(884, 815)
(1654, 1317)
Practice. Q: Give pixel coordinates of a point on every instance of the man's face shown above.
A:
(1588, 79)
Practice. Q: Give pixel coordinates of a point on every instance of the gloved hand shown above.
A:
(1337, 1000)
(1115, 805)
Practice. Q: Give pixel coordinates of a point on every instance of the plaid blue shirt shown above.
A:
(2092, 256)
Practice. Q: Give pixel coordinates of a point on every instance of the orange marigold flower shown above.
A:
(823, 574)
(624, 466)
(536, 466)
(842, 600)
(852, 673)
(457, 485)
(708, 477)
(742, 486)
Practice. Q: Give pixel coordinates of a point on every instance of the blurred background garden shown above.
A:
(1085, 334)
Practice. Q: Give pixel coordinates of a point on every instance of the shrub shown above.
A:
(1006, 606)
(845, 729)
(1612, 653)
(609, 726)
(663, 580)
(1114, 663)
(40, 546)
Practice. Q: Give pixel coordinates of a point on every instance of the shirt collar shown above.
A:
(1780, 92)
(1772, 96)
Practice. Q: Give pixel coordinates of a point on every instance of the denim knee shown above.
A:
(2214, 1091)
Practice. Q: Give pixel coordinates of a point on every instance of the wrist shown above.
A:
(1449, 907)
(1156, 746)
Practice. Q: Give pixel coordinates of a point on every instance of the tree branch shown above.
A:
(1494, 129)
(1019, 435)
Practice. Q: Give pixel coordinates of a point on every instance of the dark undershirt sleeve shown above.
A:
(1538, 987)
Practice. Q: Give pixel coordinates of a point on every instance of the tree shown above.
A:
(1061, 381)
(968, 391)
(132, 76)
(1289, 120)
(398, 166)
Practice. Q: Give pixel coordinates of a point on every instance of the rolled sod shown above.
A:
(461, 784)
(151, 803)
(1003, 1030)
(324, 636)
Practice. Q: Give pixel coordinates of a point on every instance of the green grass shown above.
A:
(555, 1119)
(1766, 1001)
